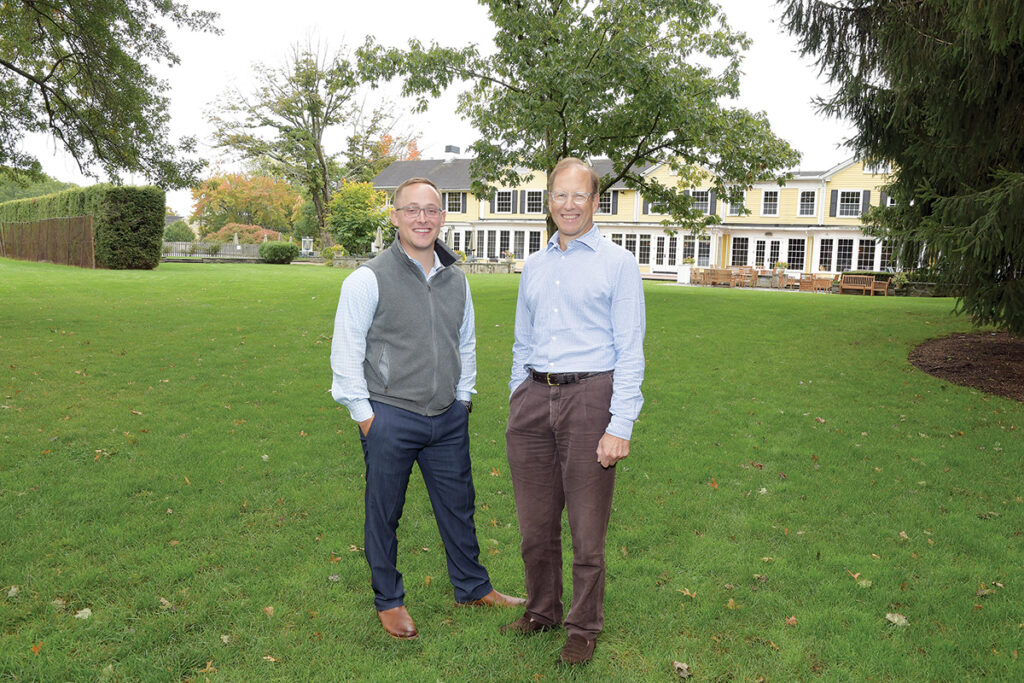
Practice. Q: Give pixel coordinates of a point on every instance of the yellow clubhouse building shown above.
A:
(812, 224)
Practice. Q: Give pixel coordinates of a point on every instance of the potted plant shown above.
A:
(781, 265)
(683, 275)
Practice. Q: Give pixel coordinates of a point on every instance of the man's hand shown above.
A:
(611, 449)
(364, 427)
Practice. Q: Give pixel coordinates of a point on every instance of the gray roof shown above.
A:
(448, 175)
(452, 175)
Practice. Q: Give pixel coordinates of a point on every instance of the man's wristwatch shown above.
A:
(468, 404)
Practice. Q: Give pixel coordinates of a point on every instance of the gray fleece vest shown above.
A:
(412, 347)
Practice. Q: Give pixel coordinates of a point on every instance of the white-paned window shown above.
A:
(770, 203)
(503, 202)
(849, 203)
(807, 202)
(534, 201)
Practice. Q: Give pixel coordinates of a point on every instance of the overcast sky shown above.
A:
(776, 80)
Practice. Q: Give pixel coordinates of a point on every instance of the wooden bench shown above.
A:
(719, 276)
(857, 283)
(880, 286)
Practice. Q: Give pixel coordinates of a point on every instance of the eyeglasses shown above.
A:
(575, 197)
(414, 211)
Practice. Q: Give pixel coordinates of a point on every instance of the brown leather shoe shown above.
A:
(397, 622)
(495, 599)
(526, 624)
(578, 650)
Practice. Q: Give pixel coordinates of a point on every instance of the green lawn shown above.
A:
(172, 461)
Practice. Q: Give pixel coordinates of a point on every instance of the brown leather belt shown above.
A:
(555, 379)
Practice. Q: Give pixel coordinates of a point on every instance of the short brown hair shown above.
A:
(415, 181)
(573, 161)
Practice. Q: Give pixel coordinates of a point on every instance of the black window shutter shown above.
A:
(714, 202)
(647, 207)
(833, 203)
(463, 201)
(492, 203)
(522, 200)
(884, 199)
(544, 200)
(615, 201)
(513, 193)
(865, 203)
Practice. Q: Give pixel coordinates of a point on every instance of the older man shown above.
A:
(577, 365)
(404, 362)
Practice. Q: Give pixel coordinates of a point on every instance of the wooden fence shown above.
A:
(65, 241)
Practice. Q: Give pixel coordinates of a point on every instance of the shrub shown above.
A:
(278, 252)
(178, 231)
(212, 248)
(247, 234)
(328, 253)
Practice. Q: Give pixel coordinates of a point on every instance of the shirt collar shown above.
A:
(591, 238)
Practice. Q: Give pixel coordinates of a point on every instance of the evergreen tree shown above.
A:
(936, 89)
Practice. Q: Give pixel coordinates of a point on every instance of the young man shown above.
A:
(577, 365)
(404, 362)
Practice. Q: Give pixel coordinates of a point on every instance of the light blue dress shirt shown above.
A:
(356, 308)
(582, 310)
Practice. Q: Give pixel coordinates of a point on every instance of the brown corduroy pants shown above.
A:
(551, 440)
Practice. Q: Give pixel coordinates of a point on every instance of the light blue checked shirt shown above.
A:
(356, 307)
(582, 310)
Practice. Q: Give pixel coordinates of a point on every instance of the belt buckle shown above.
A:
(547, 378)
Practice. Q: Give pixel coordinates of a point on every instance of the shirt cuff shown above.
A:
(360, 410)
(620, 427)
(463, 395)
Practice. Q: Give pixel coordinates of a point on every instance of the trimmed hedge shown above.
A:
(278, 252)
(128, 221)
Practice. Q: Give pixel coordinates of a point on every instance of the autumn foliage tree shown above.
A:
(244, 199)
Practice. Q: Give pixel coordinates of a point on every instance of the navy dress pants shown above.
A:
(440, 446)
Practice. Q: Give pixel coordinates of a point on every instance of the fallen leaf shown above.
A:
(187, 481)
(173, 542)
(333, 559)
(875, 556)
(713, 484)
(903, 535)
(135, 412)
(855, 576)
(59, 603)
(682, 669)
(354, 549)
(732, 604)
(210, 668)
(334, 578)
(165, 604)
(427, 580)
(687, 592)
(14, 591)
(820, 419)
(269, 610)
(864, 583)
(782, 475)
(767, 559)
(495, 472)
(225, 638)
(897, 619)
(83, 613)
(791, 621)
(271, 659)
(36, 648)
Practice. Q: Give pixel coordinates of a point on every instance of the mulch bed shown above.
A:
(992, 362)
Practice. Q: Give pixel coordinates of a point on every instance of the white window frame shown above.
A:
(702, 202)
(764, 202)
(534, 197)
(800, 210)
(604, 203)
(507, 196)
(859, 194)
(447, 198)
(736, 209)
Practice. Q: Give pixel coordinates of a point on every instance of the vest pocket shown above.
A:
(382, 366)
